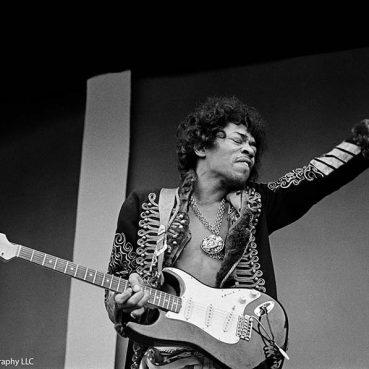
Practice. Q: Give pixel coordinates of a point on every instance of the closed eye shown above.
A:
(238, 141)
(241, 141)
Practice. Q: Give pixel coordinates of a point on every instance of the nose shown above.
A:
(248, 150)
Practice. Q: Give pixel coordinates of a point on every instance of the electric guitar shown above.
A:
(236, 327)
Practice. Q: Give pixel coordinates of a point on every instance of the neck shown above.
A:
(209, 191)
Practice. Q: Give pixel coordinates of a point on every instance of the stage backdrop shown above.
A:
(102, 188)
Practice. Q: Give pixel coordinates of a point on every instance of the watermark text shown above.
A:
(23, 361)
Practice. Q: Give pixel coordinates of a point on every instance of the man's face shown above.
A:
(232, 157)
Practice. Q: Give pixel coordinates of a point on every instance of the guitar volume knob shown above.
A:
(254, 294)
(243, 300)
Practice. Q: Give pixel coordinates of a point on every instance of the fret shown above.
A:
(99, 279)
(114, 283)
(43, 261)
(122, 288)
(56, 260)
(60, 265)
(156, 298)
(170, 302)
(89, 275)
(175, 303)
(36, 257)
(152, 297)
(85, 274)
(161, 299)
(107, 279)
(81, 272)
(74, 269)
(178, 306)
(70, 270)
(94, 277)
(39, 256)
(66, 266)
(75, 273)
(166, 301)
(50, 261)
(119, 280)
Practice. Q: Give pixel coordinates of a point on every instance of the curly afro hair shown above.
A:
(200, 129)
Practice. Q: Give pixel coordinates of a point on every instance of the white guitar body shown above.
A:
(222, 323)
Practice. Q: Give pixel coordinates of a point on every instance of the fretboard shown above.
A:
(107, 281)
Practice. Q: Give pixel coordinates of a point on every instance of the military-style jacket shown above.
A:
(255, 212)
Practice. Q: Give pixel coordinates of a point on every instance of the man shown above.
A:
(220, 218)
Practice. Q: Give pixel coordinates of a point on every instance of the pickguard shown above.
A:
(215, 311)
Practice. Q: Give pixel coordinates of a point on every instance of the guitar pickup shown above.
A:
(209, 315)
(188, 309)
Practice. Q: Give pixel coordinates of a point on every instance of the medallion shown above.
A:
(212, 246)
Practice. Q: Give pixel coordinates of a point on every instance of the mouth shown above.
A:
(244, 161)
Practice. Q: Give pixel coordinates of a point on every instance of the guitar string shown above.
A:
(197, 306)
(63, 263)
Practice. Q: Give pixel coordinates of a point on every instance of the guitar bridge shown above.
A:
(244, 327)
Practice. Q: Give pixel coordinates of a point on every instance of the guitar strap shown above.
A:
(167, 199)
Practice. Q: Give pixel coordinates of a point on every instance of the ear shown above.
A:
(200, 151)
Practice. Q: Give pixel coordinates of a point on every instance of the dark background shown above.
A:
(43, 70)
(52, 55)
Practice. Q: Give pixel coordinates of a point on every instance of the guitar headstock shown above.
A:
(7, 250)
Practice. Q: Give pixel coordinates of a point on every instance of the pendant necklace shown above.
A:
(213, 244)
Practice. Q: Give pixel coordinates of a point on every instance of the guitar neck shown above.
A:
(107, 281)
